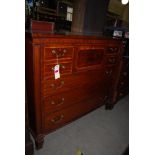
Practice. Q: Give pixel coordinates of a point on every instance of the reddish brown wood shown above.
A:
(42, 26)
(123, 82)
(39, 140)
(89, 68)
(57, 119)
(51, 53)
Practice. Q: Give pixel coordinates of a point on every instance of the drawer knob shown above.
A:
(112, 60)
(103, 99)
(125, 73)
(108, 72)
(57, 119)
(120, 94)
(62, 66)
(116, 48)
(122, 83)
(111, 49)
(54, 86)
(58, 104)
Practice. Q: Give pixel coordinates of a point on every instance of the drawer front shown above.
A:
(113, 49)
(51, 53)
(89, 58)
(57, 119)
(125, 74)
(122, 84)
(48, 69)
(111, 60)
(67, 83)
(59, 101)
(109, 72)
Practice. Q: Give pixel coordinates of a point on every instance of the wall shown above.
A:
(95, 16)
(115, 6)
(78, 15)
(89, 16)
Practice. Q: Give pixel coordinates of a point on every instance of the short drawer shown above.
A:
(111, 60)
(52, 53)
(54, 120)
(48, 69)
(89, 58)
(112, 49)
(123, 84)
(109, 72)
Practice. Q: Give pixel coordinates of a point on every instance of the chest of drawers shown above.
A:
(88, 78)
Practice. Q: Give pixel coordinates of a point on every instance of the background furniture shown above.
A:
(29, 148)
(89, 74)
(123, 84)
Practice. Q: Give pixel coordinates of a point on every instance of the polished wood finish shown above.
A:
(89, 69)
(123, 82)
(41, 26)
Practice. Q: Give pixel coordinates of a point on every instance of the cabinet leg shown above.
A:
(39, 140)
(109, 106)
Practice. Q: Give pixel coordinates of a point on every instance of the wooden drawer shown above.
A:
(48, 69)
(51, 53)
(67, 83)
(109, 72)
(113, 49)
(59, 101)
(54, 120)
(122, 84)
(124, 74)
(89, 58)
(111, 60)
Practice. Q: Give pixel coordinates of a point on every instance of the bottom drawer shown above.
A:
(60, 118)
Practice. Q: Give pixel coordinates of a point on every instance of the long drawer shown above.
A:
(57, 119)
(59, 101)
(67, 83)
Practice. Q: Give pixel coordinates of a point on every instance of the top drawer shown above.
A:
(52, 53)
(89, 58)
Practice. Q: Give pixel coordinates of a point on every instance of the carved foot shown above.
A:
(39, 140)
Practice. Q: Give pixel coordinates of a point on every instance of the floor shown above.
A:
(101, 132)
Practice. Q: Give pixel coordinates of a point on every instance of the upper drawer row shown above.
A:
(67, 52)
(56, 52)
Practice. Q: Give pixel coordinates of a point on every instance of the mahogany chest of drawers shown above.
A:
(88, 78)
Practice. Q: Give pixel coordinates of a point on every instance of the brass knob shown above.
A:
(108, 72)
(111, 49)
(122, 83)
(57, 119)
(63, 67)
(112, 60)
(54, 52)
(58, 104)
(64, 51)
(124, 73)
